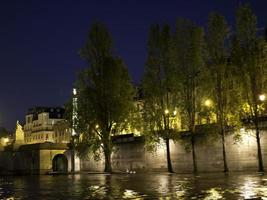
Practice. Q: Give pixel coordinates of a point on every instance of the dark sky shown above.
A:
(40, 40)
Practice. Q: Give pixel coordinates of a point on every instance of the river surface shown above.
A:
(135, 186)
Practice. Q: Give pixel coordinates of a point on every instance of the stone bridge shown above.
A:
(39, 159)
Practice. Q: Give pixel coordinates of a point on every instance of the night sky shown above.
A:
(40, 40)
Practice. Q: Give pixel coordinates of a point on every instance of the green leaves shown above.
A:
(105, 94)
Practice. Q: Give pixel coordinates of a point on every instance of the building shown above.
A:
(18, 136)
(40, 126)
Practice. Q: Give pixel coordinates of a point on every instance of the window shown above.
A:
(28, 119)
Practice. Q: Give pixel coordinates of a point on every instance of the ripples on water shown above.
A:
(136, 186)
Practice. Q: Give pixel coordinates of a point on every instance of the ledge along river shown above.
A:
(135, 186)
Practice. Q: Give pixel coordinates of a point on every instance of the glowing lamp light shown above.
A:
(262, 97)
(208, 103)
(6, 140)
(74, 91)
(166, 112)
(73, 132)
(97, 126)
(174, 112)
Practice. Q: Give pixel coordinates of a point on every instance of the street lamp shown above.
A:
(166, 111)
(208, 103)
(6, 140)
(262, 97)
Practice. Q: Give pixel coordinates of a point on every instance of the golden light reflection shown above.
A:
(214, 194)
(10, 198)
(247, 190)
(180, 194)
(130, 194)
(253, 189)
(98, 191)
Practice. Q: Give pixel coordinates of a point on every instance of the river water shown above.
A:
(135, 186)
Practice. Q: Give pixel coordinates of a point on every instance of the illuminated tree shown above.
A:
(104, 94)
(217, 35)
(4, 132)
(187, 58)
(249, 57)
(158, 88)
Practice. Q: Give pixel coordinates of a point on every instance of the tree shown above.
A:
(248, 53)
(217, 35)
(158, 90)
(188, 50)
(104, 94)
(4, 132)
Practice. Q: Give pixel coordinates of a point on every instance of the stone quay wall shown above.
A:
(131, 154)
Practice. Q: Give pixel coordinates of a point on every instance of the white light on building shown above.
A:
(74, 111)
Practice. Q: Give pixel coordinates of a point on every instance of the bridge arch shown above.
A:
(60, 163)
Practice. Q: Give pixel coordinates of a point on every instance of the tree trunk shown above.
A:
(195, 170)
(169, 162)
(256, 123)
(72, 160)
(220, 115)
(107, 154)
(225, 166)
(260, 161)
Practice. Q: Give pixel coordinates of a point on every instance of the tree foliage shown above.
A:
(158, 88)
(104, 95)
(188, 59)
(250, 59)
(220, 72)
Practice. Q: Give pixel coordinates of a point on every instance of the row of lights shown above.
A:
(208, 103)
(166, 112)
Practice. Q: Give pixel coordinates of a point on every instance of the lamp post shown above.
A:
(74, 135)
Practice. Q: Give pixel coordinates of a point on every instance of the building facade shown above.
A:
(40, 123)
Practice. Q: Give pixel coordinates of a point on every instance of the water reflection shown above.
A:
(254, 189)
(137, 186)
(214, 194)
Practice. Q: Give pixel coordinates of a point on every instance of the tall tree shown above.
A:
(104, 93)
(4, 132)
(249, 58)
(159, 101)
(188, 48)
(217, 35)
